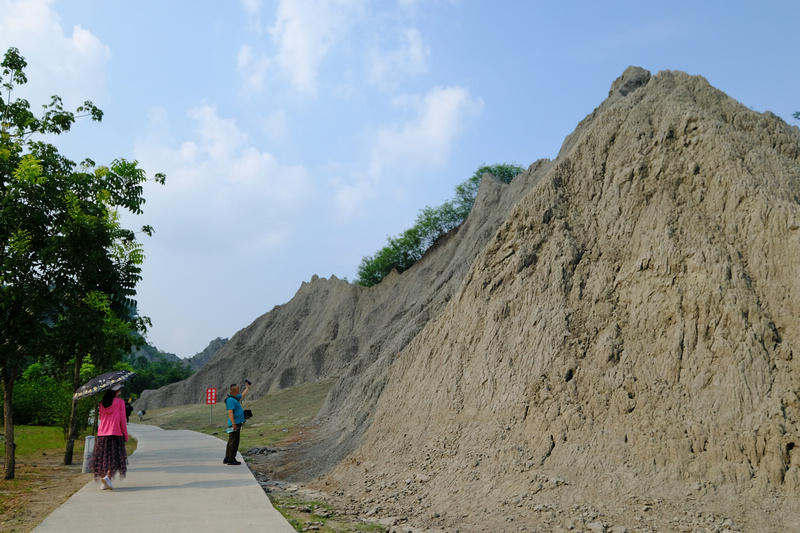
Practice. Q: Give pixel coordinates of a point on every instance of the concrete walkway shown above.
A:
(176, 482)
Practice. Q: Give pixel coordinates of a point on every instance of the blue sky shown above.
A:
(297, 135)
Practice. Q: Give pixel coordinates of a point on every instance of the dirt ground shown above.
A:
(553, 507)
(42, 484)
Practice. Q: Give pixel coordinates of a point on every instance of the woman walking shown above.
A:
(109, 456)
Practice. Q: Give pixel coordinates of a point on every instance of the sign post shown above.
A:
(211, 399)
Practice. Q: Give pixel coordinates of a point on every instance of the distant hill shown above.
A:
(196, 362)
(152, 354)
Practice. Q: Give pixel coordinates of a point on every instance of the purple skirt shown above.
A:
(109, 456)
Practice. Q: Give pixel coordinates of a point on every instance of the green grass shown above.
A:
(35, 440)
(32, 439)
(276, 415)
(304, 513)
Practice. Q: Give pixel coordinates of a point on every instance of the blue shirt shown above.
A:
(233, 402)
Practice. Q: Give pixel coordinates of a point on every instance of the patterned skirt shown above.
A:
(109, 455)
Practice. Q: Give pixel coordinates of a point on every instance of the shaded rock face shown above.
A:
(620, 321)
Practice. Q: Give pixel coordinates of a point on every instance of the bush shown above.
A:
(43, 400)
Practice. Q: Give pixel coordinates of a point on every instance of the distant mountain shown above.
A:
(152, 354)
(197, 361)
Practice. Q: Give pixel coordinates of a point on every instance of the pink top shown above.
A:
(113, 420)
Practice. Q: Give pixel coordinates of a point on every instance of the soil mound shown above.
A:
(607, 343)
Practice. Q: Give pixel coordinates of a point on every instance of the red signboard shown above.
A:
(211, 396)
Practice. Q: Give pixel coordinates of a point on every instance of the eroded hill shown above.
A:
(614, 331)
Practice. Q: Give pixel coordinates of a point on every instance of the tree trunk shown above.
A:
(72, 433)
(7, 379)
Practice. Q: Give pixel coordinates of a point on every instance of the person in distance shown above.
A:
(233, 403)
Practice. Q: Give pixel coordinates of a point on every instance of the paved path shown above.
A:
(176, 482)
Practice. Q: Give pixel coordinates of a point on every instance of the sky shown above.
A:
(298, 135)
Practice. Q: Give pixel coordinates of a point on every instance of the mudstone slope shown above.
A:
(606, 343)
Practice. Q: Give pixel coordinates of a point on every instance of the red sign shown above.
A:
(211, 396)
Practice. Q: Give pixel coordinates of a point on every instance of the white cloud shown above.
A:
(348, 198)
(414, 5)
(72, 66)
(304, 32)
(219, 187)
(252, 7)
(253, 68)
(442, 116)
(410, 58)
(276, 126)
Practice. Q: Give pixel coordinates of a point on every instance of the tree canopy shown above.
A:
(155, 373)
(68, 269)
(407, 248)
(43, 395)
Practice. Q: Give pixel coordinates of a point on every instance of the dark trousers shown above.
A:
(233, 444)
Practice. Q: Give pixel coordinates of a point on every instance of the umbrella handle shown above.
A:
(96, 418)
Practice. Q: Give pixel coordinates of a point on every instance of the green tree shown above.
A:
(154, 374)
(68, 270)
(102, 264)
(42, 396)
(403, 251)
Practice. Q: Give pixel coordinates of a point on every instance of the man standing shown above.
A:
(128, 410)
(235, 421)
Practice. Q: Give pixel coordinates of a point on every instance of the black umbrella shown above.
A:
(102, 382)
